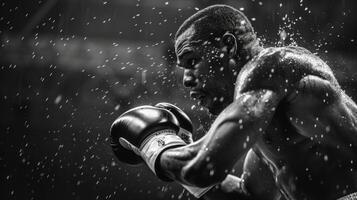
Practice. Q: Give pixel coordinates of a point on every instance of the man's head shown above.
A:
(212, 46)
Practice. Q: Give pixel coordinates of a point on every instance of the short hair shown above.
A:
(215, 20)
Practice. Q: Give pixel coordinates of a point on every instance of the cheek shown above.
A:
(217, 66)
(204, 71)
(211, 69)
(215, 62)
(213, 55)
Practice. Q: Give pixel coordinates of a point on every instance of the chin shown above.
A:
(212, 109)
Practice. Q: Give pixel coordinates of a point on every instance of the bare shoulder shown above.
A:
(281, 69)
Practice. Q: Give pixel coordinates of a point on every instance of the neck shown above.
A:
(247, 52)
(250, 50)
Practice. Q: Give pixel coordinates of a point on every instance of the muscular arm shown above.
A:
(235, 130)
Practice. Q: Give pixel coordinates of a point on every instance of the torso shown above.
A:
(311, 143)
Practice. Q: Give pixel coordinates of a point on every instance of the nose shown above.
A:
(189, 79)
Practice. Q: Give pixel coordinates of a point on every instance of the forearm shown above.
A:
(174, 160)
(205, 162)
(231, 188)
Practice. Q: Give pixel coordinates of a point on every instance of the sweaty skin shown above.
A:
(298, 125)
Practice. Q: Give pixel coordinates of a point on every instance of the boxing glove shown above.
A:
(142, 133)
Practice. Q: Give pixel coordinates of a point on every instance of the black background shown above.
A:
(68, 68)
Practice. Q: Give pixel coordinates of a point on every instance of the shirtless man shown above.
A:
(281, 108)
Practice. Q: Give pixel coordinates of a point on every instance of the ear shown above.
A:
(230, 42)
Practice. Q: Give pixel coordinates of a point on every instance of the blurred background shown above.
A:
(68, 68)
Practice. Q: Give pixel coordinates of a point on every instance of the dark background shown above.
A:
(68, 68)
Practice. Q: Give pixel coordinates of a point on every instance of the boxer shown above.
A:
(280, 107)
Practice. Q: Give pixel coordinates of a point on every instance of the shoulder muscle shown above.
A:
(281, 69)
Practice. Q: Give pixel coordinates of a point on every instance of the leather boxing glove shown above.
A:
(142, 133)
(186, 127)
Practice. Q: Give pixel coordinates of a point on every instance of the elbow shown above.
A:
(203, 174)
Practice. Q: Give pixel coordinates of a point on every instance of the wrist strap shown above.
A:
(156, 143)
